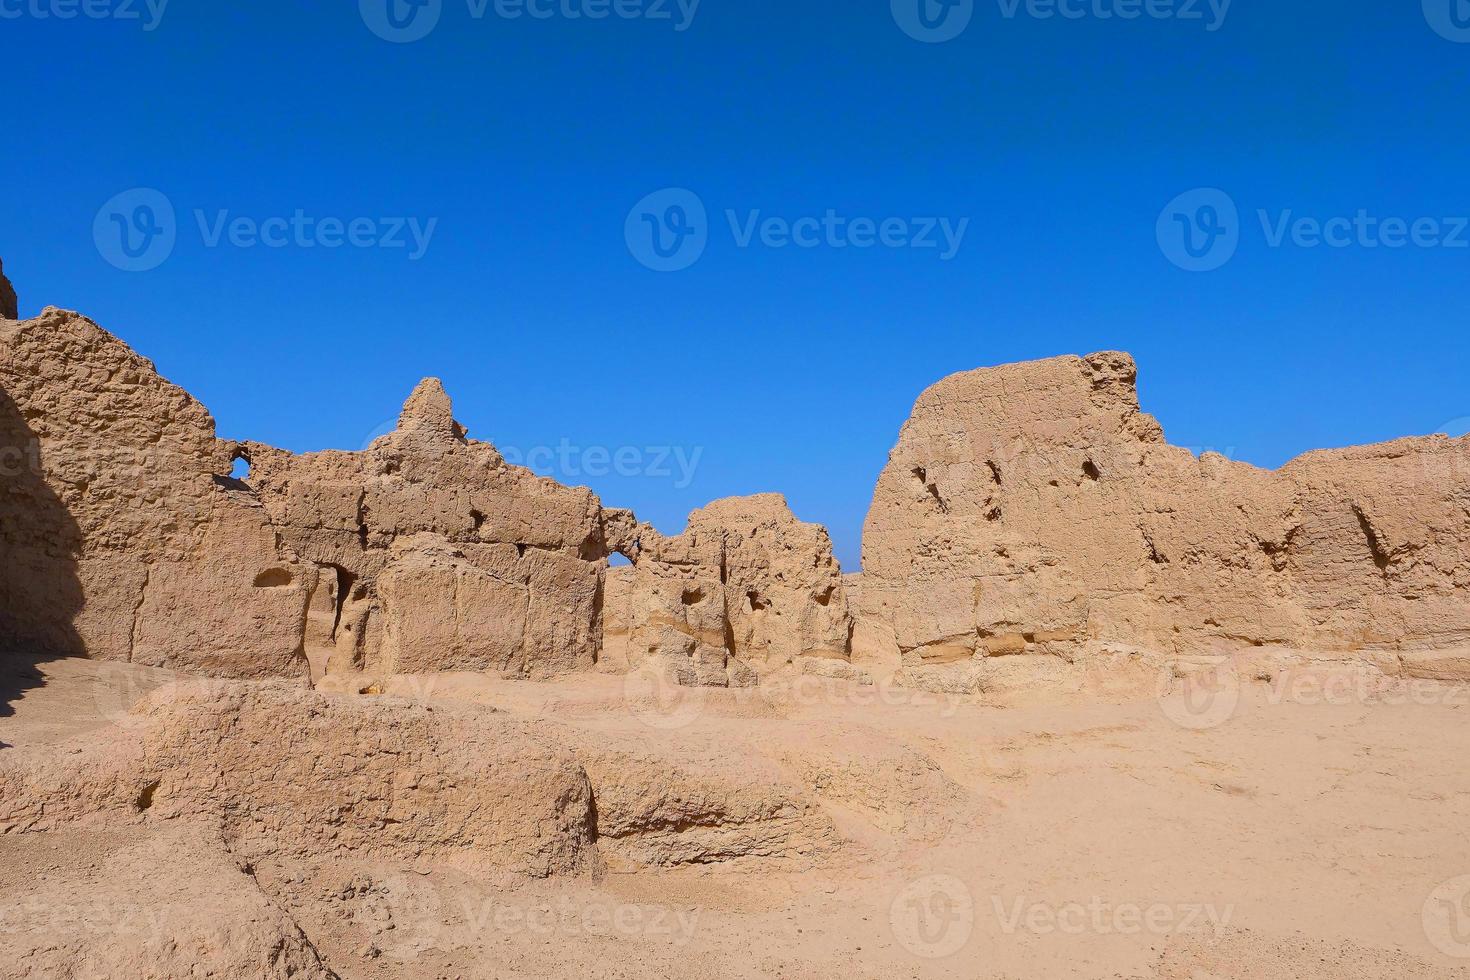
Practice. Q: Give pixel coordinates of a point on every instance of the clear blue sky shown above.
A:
(790, 369)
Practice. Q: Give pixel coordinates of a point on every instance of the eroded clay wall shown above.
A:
(1033, 509)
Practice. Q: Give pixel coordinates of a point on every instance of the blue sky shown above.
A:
(520, 146)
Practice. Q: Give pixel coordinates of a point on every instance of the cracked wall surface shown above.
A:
(121, 540)
(745, 590)
(436, 554)
(1033, 509)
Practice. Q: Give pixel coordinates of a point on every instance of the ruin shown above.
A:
(307, 714)
(1033, 523)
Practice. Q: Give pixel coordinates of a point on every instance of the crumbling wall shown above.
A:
(746, 589)
(124, 537)
(120, 538)
(436, 554)
(1033, 509)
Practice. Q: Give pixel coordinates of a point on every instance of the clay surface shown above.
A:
(1032, 520)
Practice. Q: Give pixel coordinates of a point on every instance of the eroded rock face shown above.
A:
(747, 588)
(125, 538)
(120, 537)
(1033, 510)
(435, 554)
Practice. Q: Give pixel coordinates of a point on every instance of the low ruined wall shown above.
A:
(745, 590)
(125, 538)
(437, 555)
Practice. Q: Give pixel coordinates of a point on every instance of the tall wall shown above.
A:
(1033, 509)
(119, 538)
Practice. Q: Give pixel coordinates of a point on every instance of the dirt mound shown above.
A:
(289, 771)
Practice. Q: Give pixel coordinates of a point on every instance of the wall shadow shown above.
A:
(40, 547)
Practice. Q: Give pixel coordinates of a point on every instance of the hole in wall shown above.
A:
(273, 578)
(693, 596)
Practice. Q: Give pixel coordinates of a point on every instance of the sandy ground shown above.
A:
(1295, 839)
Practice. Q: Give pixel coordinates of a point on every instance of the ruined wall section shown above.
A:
(120, 537)
(436, 554)
(1034, 510)
(746, 590)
